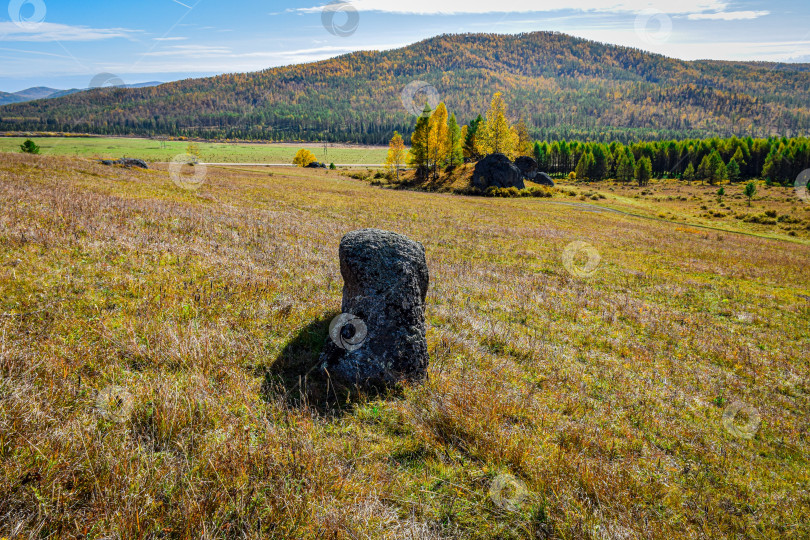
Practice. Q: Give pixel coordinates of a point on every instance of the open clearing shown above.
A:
(604, 395)
(155, 150)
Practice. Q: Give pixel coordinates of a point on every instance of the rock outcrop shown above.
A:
(126, 162)
(495, 170)
(543, 179)
(528, 167)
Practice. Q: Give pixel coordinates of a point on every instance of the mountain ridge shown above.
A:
(561, 85)
(43, 92)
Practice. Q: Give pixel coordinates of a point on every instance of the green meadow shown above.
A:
(155, 151)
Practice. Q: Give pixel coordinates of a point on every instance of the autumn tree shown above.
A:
(396, 154)
(437, 138)
(496, 134)
(524, 142)
(193, 149)
(304, 157)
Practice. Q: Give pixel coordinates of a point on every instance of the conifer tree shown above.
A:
(455, 154)
(470, 149)
(418, 157)
(703, 169)
(541, 156)
(716, 169)
(584, 166)
(689, 173)
(733, 170)
(749, 191)
(627, 166)
(599, 167)
(643, 171)
(29, 147)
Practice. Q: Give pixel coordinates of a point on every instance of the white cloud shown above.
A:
(170, 38)
(729, 15)
(221, 60)
(448, 7)
(197, 51)
(680, 46)
(43, 32)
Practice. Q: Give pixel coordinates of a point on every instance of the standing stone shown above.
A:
(379, 339)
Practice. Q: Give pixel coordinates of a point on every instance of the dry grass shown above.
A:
(775, 211)
(604, 395)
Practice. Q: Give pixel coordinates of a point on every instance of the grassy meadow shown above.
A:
(155, 150)
(593, 374)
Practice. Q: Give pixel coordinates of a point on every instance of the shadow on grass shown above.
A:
(296, 377)
(298, 380)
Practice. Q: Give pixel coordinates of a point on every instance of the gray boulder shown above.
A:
(379, 339)
(528, 167)
(126, 162)
(543, 179)
(129, 162)
(496, 170)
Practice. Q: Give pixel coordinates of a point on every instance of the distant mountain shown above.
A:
(38, 92)
(560, 85)
(28, 94)
(6, 98)
(43, 92)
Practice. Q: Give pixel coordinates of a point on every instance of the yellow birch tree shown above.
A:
(396, 154)
(496, 135)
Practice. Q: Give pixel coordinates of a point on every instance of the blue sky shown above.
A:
(64, 44)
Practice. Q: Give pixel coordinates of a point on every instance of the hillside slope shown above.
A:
(561, 85)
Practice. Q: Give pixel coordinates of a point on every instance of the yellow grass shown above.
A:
(140, 324)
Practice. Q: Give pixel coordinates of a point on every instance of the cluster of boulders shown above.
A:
(126, 162)
(497, 170)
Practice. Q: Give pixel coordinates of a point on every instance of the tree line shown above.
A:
(779, 160)
(438, 142)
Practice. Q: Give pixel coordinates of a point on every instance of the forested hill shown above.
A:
(560, 85)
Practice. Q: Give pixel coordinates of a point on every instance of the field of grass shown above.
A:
(154, 150)
(658, 389)
(773, 212)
